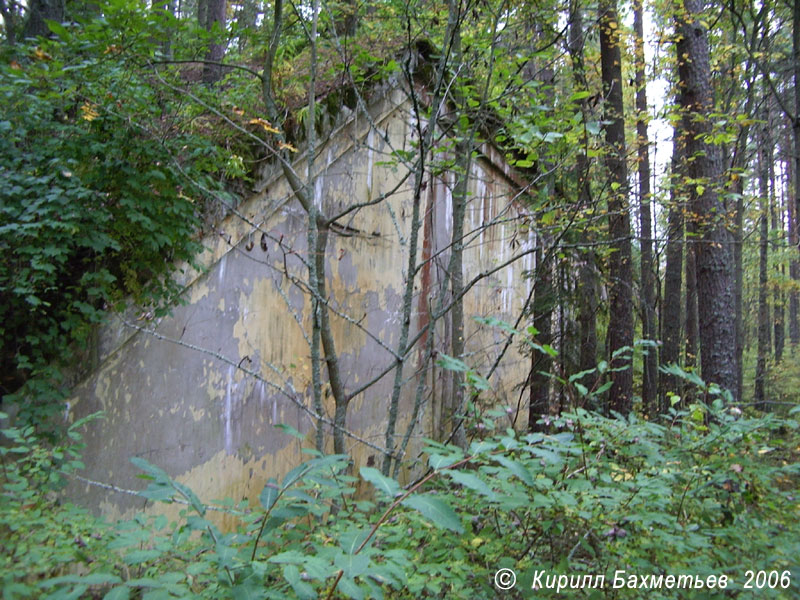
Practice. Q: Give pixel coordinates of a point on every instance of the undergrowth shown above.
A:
(702, 492)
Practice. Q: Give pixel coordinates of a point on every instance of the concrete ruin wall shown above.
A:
(177, 398)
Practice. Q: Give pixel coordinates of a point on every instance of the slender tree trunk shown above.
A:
(645, 219)
(8, 13)
(763, 257)
(738, 281)
(620, 327)
(452, 33)
(692, 326)
(776, 224)
(794, 263)
(347, 19)
(322, 342)
(456, 271)
(247, 22)
(587, 307)
(166, 7)
(202, 13)
(714, 253)
(794, 328)
(541, 363)
(671, 312)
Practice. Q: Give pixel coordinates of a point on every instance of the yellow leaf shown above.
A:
(40, 54)
(285, 146)
(88, 112)
(267, 126)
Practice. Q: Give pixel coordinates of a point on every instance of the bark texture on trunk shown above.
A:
(763, 257)
(620, 297)
(671, 311)
(41, 11)
(714, 243)
(587, 285)
(650, 373)
(214, 14)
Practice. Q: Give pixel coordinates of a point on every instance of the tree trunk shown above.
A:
(713, 250)
(650, 373)
(587, 307)
(347, 20)
(671, 312)
(776, 224)
(215, 15)
(456, 273)
(796, 130)
(8, 13)
(794, 263)
(738, 279)
(247, 23)
(165, 7)
(692, 326)
(620, 326)
(763, 308)
(40, 11)
(541, 363)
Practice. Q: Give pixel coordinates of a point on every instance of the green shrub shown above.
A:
(701, 493)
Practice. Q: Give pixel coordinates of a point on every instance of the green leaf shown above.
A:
(269, 494)
(516, 468)
(387, 485)
(290, 430)
(436, 511)
(90, 579)
(472, 482)
(353, 565)
(349, 588)
(58, 29)
(292, 575)
(351, 540)
(121, 592)
(451, 364)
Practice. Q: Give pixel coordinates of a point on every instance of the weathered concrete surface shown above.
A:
(177, 396)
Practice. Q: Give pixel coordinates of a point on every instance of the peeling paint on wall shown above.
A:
(181, 401)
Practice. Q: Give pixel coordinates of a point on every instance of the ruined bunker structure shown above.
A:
(199, 392)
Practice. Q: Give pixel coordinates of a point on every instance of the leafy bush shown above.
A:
(42, 537)
(102, 177)
(702, 493)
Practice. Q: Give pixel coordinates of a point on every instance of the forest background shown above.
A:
(130, 128)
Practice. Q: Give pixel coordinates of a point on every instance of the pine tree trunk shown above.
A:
(587, 308)
(650, 374)
(794, 328)
(713, 249)
(541, 363)
(692, 326)
(671, 312)
(763, 258)
(214, 14)
(738, 281)
(794, 263)
(776, 225)
(620, 326)
(39, 12)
